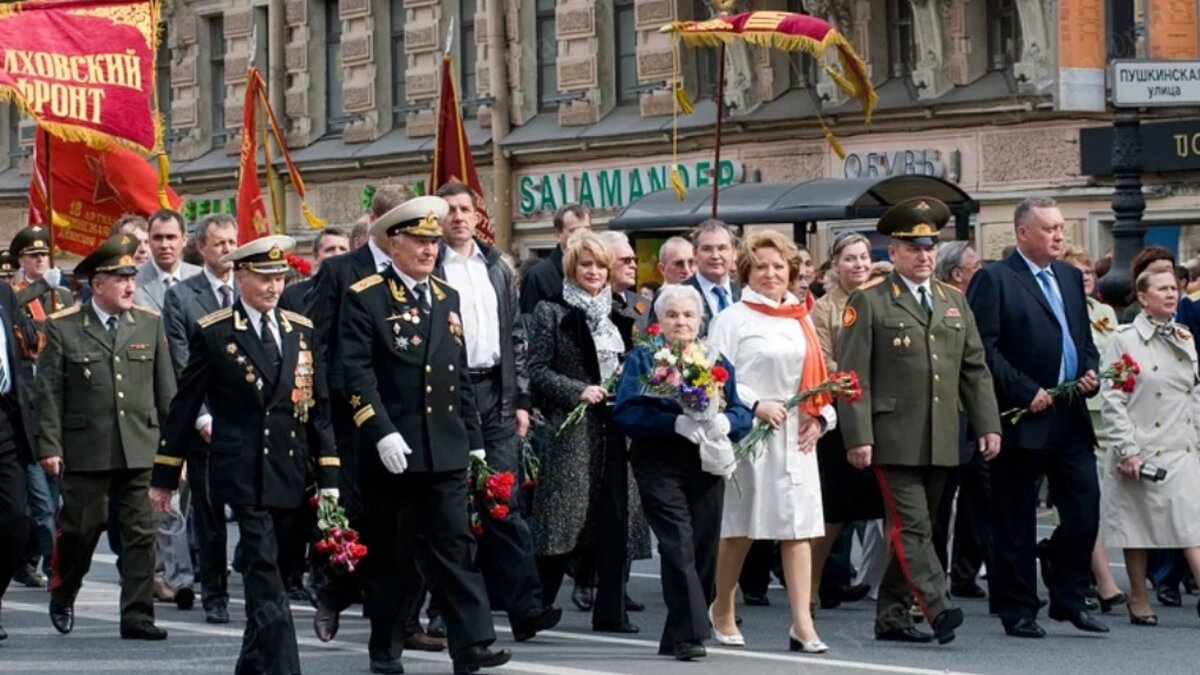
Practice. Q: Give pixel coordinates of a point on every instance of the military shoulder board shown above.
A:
(146, 310)
(219, 315)
(297, 318)
(65, 312)
(365, 283)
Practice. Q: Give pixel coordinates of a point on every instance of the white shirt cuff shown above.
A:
(203, 421)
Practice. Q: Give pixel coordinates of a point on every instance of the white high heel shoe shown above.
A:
(797, 645)
(735, 640)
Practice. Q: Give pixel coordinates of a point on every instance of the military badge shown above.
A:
(849, 316)
(302, 393)
(639, 307)
(401, 343)
(953, 313)
(415, 341)
(231, 349)
(139, 345)
(455, 327)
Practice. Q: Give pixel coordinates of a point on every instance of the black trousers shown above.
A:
(1070, 467)
(423, 514)
(683, 506)
(15, 526)
(505, 553)
(973, 523)
(269, 641)
(208, 519)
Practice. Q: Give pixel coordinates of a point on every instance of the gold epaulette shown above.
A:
(146, 310)
(942, 284)
(65, 312)
(296, 318)
(872, 283)
(219, 315)
(366, 282)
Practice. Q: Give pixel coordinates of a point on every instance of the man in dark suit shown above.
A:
(716, 252)
(545, 279)
(409, 384)
(183, 307)
(332, 241)
(1033, 319)
(17, 427)
(254, 366)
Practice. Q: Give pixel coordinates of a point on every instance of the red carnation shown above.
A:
(654, 330)
(476, 528)
(314, 500)
(358, 550)
(498, 512)
(1128, 385)
(720, 374)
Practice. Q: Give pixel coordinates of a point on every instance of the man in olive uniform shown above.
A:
(256, 368)
(105, 381)
(8, 266)
(913, 342)
(409, 386)
(38, 290)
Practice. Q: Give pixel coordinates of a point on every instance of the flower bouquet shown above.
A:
(338, 540)
(577, 413)
(843, 385)
(688, 375)
(488, 491)
(1120, 374)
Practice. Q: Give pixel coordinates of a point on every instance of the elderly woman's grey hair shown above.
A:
(949, 258)
(614, 238)
(672, 293)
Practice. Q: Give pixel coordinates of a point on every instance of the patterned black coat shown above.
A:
(562, 362)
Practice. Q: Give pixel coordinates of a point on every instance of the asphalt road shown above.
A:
(572, 649)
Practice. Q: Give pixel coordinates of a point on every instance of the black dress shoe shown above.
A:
(143, 630)
(626, 628)
(756, 600)
(325, 623)
(472, 659)
(909, 634)
(218, 614)
(945, 623)
(971, 590)
(185, 598)
(62, 616)
(1107, 604)
(436, 627)
(1081, 620)
(1091, 604)
(689, 651)
(384, 662)
(583, 598)
(831, 601)
(536, 621)
(421, 642)
(1169, 597)
(1025, 628)
(854, 593)
(632, 605)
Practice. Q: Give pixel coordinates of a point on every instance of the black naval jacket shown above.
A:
(260, 446)
(406, 371)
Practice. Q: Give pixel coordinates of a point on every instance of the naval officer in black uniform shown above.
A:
(408, 384)
(256, 367)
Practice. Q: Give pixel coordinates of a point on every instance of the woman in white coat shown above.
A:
(769, 337)
(1157, 426)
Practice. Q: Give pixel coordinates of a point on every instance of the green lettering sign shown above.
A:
(548, 203)
(610, 189)
(703, 175)
(528, 199)
(586, 192)
(635, 185)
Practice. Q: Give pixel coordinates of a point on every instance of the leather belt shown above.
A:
(480, 374)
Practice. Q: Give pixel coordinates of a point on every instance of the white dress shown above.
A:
(778, 494)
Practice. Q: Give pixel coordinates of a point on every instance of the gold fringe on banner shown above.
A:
(311, 218)
(680, 101)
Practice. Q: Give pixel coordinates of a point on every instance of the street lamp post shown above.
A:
(1128, 205)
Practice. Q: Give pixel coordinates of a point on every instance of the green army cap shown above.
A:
(33, 239)
(8, 264)
(916, 221)
(114, 256)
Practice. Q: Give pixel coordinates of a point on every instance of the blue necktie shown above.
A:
(722, 298)
(1070, 358)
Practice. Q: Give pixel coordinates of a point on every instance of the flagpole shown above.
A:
(50, 213)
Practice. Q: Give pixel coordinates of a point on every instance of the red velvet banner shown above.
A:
(452, 159)
(83, 69)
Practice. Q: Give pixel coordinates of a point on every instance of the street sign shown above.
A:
(1155, 84)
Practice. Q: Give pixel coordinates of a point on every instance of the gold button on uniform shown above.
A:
(116, 359)
(291, 453)
(936, 399)
(292, 434)
(428, 408)
(266, 432)
(451, 368)
(118, 377)
(429, 389)
(935, 357)
(120, 394)
(451, 388)
(937, 378)
(450, 408)
(121, 413)
(931, 338)
(429, 369)
(266, 451)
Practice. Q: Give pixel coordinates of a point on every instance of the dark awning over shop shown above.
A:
(803, 202)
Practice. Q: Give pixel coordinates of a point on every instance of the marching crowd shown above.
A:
(210, 391)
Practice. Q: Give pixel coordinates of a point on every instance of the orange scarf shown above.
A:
(813, 373)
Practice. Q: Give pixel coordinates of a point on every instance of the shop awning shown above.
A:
(802, 202)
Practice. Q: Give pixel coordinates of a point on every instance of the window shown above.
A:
(216, 66)
(470, 52)
(162, 78)
(1004, 34)
(335, 119)
(802, 67)
(707, 67)
(547, 54)
(399, 63)
(627, 79)
(900, 37)
(13, 134)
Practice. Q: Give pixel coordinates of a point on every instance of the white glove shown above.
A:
(717, 427)
(480, 454)
(53, 276)
(689, 429)
(332, 493)
(393, 451)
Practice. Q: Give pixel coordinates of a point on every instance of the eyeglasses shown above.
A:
(628, 260)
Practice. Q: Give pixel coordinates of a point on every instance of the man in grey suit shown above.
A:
(186, 303)
(165, 268)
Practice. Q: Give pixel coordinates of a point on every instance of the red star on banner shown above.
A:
(103, 190)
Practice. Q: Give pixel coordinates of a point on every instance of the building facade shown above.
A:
(969, 90)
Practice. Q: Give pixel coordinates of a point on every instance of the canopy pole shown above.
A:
(716, 168)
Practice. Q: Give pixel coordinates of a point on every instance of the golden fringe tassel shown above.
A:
(680, 101)
(313, 221)
(830, 138)
(164, 176)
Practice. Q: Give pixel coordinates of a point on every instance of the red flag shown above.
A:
(91, 189)
(452, 160)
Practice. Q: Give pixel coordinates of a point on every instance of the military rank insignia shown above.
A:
(456, 327)
(302, 393)
(849, 316)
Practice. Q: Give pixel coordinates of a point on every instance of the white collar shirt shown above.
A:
(481, 314)
(706, 290)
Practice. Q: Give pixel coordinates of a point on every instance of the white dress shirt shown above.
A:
(163, 275)
(255, 318)
(481, 316)
(6, 381)
(913, 287)
(706, 290)
(216, 285)
(382, 260)
(104, 316)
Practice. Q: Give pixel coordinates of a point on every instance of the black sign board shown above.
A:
(1166, 146)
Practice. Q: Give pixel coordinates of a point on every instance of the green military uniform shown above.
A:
(917, 366)
(101, 393)
(8, 266)
(36, 298)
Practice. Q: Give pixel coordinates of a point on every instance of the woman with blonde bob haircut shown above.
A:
(769, 338)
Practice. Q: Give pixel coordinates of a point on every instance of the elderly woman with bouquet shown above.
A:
(769, 336)
(678, 403)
